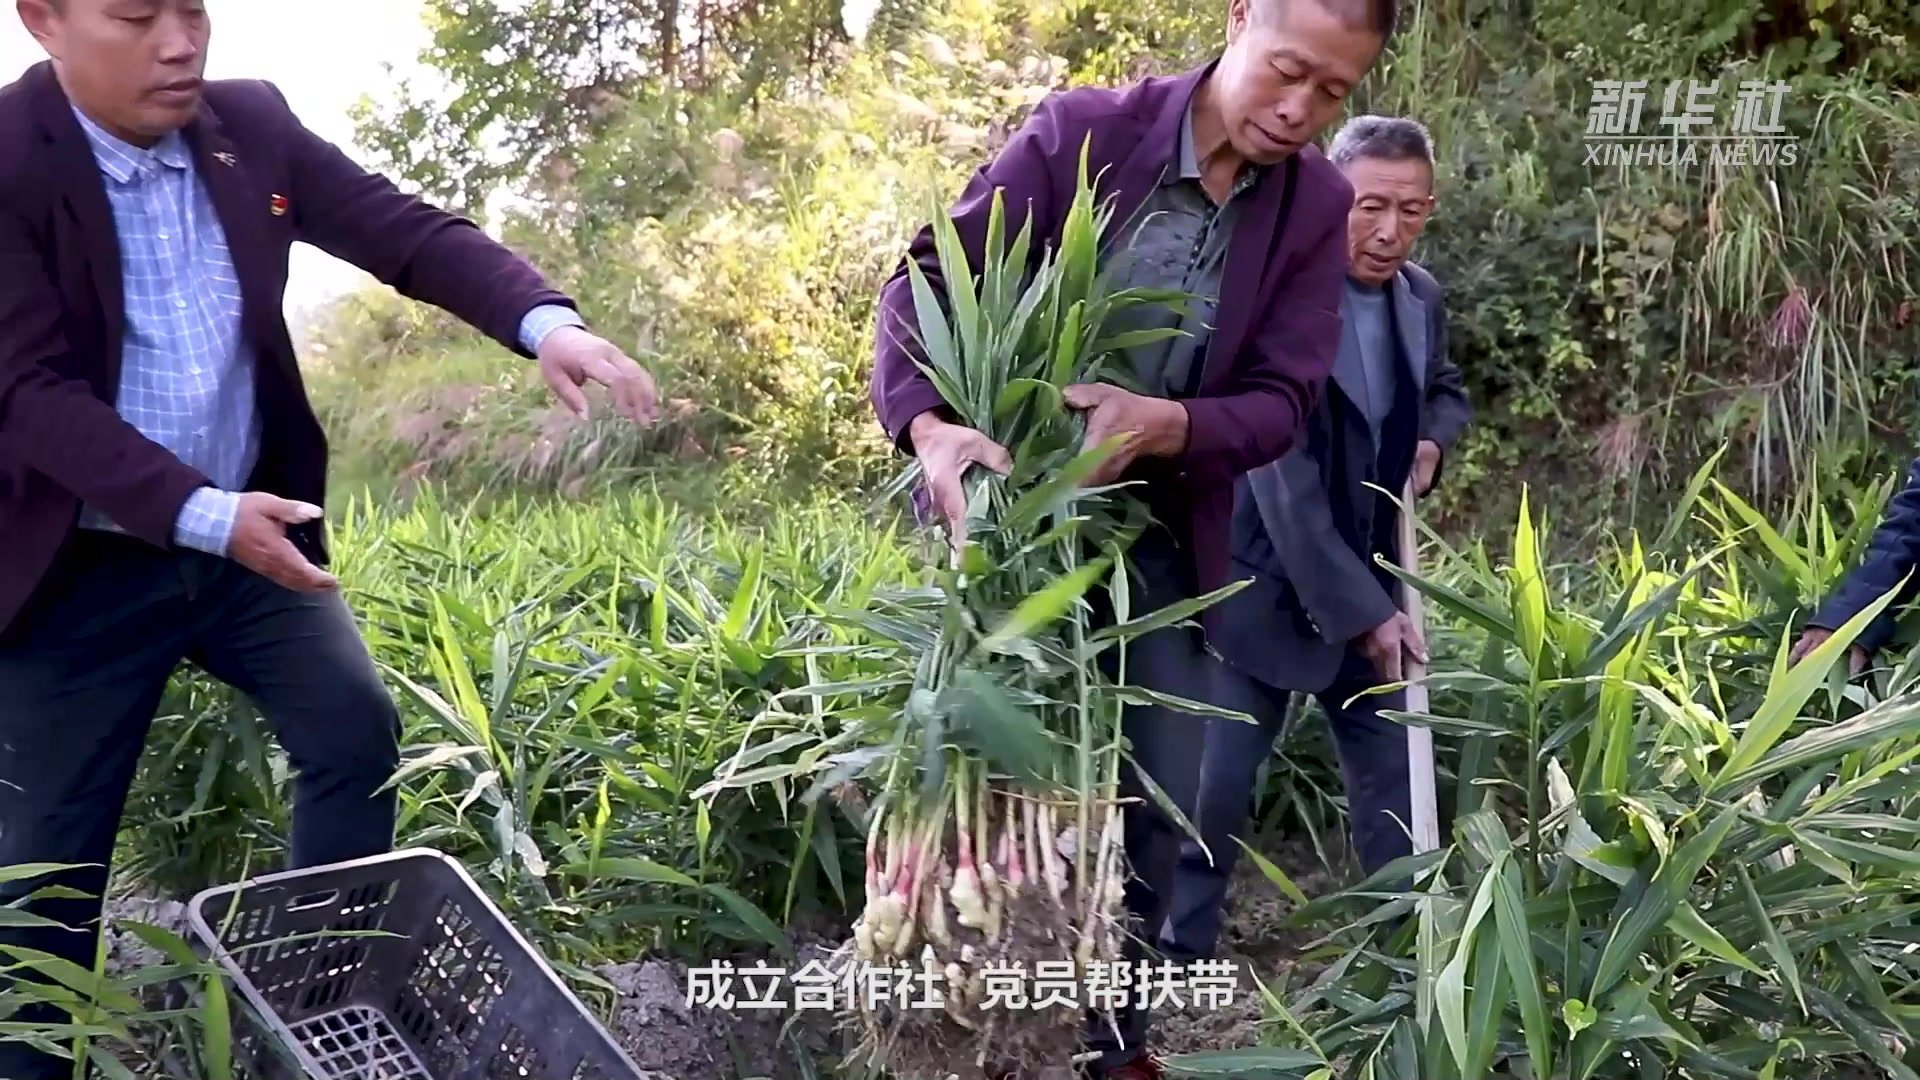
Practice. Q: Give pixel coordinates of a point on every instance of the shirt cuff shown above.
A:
(206, 520)
(544, 320)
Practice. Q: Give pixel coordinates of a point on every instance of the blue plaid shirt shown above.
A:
(186, 371)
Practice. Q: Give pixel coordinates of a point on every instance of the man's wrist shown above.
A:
(925, 422)
(540, 323)
(205, 521)
(1172, 431)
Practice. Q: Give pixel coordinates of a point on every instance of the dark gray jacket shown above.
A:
(1893, 554)
(1306, 527)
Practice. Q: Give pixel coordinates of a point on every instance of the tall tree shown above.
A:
(511, 85)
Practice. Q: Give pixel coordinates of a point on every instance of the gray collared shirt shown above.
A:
(1369, 315)
(1178, 241)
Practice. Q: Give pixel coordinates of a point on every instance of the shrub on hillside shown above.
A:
(1616, 324)
(751, 299)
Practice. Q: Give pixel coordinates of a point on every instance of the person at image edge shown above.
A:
(161, 469)
(1888, 565)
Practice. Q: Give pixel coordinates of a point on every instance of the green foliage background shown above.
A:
(725, 199)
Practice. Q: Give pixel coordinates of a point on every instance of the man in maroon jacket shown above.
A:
(1221, 194)
(161, 470)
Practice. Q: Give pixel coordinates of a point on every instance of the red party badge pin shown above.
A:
(278, 204)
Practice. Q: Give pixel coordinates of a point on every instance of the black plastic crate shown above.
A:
(395, 967)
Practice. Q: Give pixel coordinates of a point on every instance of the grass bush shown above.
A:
(1671, 854)
(616, 713)
(1616, 325)
(569, 677)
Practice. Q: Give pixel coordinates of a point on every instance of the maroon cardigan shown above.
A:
(1278, 315)
(62, 316)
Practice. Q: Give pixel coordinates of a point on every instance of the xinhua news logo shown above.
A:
(1697, 124)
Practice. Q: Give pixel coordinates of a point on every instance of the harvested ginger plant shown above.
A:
(994, 867)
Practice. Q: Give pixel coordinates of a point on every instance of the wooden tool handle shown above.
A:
(1424, 803)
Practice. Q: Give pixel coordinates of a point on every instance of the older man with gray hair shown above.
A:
(1321, 616)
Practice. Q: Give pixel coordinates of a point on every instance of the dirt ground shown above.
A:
(669, 1039)
(125, 952)
(672, 1040)
(1256, 942)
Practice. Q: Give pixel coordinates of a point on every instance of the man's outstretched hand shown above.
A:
(571, 357)
(1814, 637)
(945, 451)
(259, 542)
(1155, 427)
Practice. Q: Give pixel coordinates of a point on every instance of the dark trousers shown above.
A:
(1166, 744)
(81, 676)
(1372, 752)
(1207, 767)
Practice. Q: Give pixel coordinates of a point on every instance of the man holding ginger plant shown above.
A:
(1223, 197)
